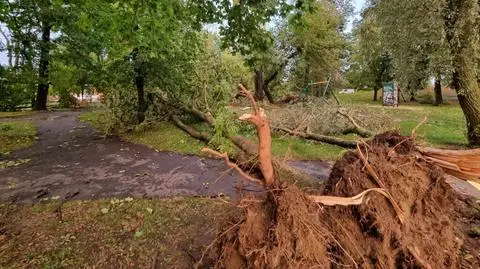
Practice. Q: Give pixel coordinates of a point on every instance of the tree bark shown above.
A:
(438, 91)
(194, 133)
(375, 93)
(43, 68)
(259, 85)
(140, 85)
(320, 138)
(462, 33)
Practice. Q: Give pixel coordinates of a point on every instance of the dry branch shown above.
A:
(230, 164)
(320, 138)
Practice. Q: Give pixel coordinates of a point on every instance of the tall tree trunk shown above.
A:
(142, 107)
(43, 72)
(462, 33)
(375, 93)
(269, 95)
(259, 84)
(438, 91)
(140, 85)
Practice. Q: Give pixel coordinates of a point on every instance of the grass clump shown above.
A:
(300, 149)
(16, 114)
(16, 135)
(164, 136)
(115, 233)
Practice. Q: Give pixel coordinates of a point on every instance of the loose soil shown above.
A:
(286, 229)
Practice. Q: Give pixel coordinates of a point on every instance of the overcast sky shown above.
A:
(358, 4)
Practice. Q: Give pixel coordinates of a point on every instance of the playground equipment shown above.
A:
(327, 88)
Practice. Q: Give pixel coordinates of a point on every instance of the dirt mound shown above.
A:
(288, 230)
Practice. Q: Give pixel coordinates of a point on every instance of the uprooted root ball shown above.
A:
(287, 230)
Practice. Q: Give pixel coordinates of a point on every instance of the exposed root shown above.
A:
(288, 229)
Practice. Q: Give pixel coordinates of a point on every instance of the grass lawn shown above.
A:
(16, 135)
(445, 127)
(16, 114)
(116, 233)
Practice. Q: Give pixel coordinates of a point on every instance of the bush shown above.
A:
(15, 88)
(425, 98)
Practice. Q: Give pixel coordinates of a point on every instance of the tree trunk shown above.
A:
(438, 91)
(412, 96)
(259, 85)
(319, 138)
(375, 93)
(140, 85)
(43, 72)
(142, 107)
(462, 33)
(269, 95)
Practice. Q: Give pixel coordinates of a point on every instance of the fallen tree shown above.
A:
(319, 138)
(396, 227)
(356, 129)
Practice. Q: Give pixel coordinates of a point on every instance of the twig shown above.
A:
(415, 253)
(249, 95)
(412, 137)
(359, 130)
(398, 210)
(418, 126)
(224, 156)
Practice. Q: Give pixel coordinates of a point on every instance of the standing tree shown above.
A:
(419, 52)
(371, 63)
(462, 28)
(246, 32)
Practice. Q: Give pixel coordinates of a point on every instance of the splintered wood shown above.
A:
(463, 164)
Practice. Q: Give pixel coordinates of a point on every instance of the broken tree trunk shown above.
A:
(319, 138)
(357, 129)
(245, 145)
(194, 133)
(259, 120)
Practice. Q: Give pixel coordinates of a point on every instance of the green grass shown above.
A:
(96, 118)
(360, 97)
(164, 136)
(16, 135)
(122, 233)
(15, 114)
(301, 149)
(445, 127)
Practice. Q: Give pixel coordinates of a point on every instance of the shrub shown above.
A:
(425, 98)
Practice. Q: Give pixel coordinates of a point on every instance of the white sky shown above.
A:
(358, 5)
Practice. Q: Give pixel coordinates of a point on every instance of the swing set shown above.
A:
(327, 88)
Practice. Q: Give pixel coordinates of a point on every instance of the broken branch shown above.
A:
(231, 165)
(317, 137)
(357, 128)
